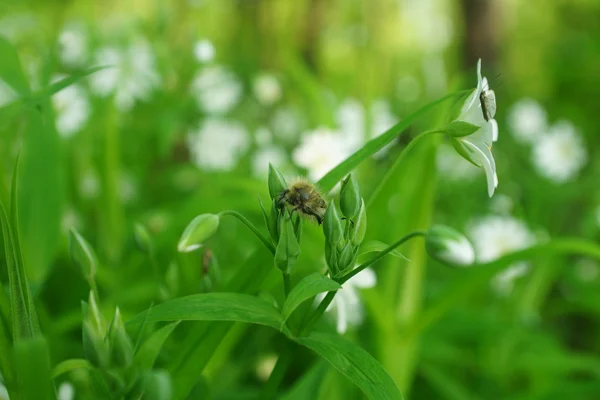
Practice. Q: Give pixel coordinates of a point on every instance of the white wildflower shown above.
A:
(351, 122)
(218, 144)
(72, 109)
(265, 366)
(267, 89)
(265, 155)
(204, 51)
(132, 75)
(89, 186)
(286, 123)
(501, 204)
(346, 305)
(66, 391)
(560, 154)
(452, 166)
(319, 152)
(527, 120)
(73, 45)
(263, 136)
(216, 89)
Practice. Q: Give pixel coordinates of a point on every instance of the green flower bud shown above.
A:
(277, 183)
(83, 256)
(270, 221)
(332, 225)
(360, 225)
(202, 228)
(459, 128)
(288, 249)
(121, 348)
(449, 246)
(142, 238)
(95, 348)
(331, 256)
(350, 199)
(346, 256)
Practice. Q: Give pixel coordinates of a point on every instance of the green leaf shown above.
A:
(11, 70)
(460, 128)
(288, 249)
(70, 365)
(375, 246)
(308, 287)
(327, 182)
(234, 307)
(157, 386)
(61, 84)
(33, 369)
(354, 363)
(146, 355)
(82, 255)
(308, 386)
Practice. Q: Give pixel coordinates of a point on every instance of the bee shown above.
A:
(304, 197)
(487, 99)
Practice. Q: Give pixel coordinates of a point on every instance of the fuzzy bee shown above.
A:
(304, 197)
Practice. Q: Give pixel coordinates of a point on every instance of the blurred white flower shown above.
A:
(7, 93)
(265, 155)
(586, 270)
(494, 236)
(70, 219)
(265, 366)
(89, 186)
(527, 120)
(218, 144)
(560, 154)
(320, 151)
(72, 109)
(204, 51)
(3, 391)
(127, 188)
(382, 119)
(429, 27)
(452, 166)
(351, 122)
(73, 45)
(263, 136)
(286, 123)
(132, 75)
(501, 204)
(267, 89)
(66, 391)
(478, 144)
(346, 305)
(216, 89)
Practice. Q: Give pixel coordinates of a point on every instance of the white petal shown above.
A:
(494, 129)
(342, 322)
(364, 279)
(479, 79)
(490, 170)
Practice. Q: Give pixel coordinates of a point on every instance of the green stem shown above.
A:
(278, 373)
(317, 314)
(399, 161)
(287, 284)
(251, 226)
(380, 255)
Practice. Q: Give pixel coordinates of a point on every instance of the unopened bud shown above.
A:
(449, 246)
(360, 225)
(277, 183)
(288, 249)
(202, 228)
(82, 255)
(458, 128)
(332, 226)
(350, 199)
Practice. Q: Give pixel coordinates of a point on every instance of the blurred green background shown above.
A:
(203, 94)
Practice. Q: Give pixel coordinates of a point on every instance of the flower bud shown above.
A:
(331, 257)
(94, 330)
(82, 255)
(288, 249)
(449, 246)
(332, 226)
(360, 225)
(277, 183)
(458, 128)
(142, 238)
(346, 256)
(202, 228)
(121, 348)
(350, 199)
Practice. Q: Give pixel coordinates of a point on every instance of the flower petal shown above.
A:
(494, 125)
(342, 322)
(488, 166)
(364, 279)
(479, 79)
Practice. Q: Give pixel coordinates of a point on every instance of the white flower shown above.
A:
(267, 89)
(501, 204)
(89, 186)
(66, 391)
(72, 110)
(218, 144)
(319, 152)
(286, 123)
(494, 236)
(204, 51)
(265, 366)
(263, 136)
(3, 391)
(452, 166)
(449, 246)
(351, 121)
(560, 154)
(478, 144)
(527, 120)
(131, 74)
(216, 89)
(73, 45)
(7, 93)
(346, 305)
(265, 155)
(70, 220)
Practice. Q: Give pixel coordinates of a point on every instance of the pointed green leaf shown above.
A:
(33, 369)
(82, 255)
(146, 355)
(63, 83)
(308, 287)
(70, 365)
(354, 363)
(157, 386)
(288, 249)
(11, 70)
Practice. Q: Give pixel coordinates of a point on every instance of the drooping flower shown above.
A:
(560, 154)
(267, 89)
(346, 306)
(216, 89)
(449, 246)
(527, 120)
(72, 109)
(131, 77)
(320, 151)
(479, 110)
(217, 144)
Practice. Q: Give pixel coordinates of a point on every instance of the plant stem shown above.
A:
(287, 284)
(278, 373)
(398, 161)
(251, 226)
(317, 314)
(380, 255)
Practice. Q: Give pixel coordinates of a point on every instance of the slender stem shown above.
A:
(251, 226)
(318, 312)
(380, 255)
(287, 284)
(398, 161)
(278, 373)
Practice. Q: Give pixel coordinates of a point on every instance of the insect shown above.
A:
(487, 98)
(304, 197)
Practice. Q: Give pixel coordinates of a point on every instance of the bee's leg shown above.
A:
(313, 214)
